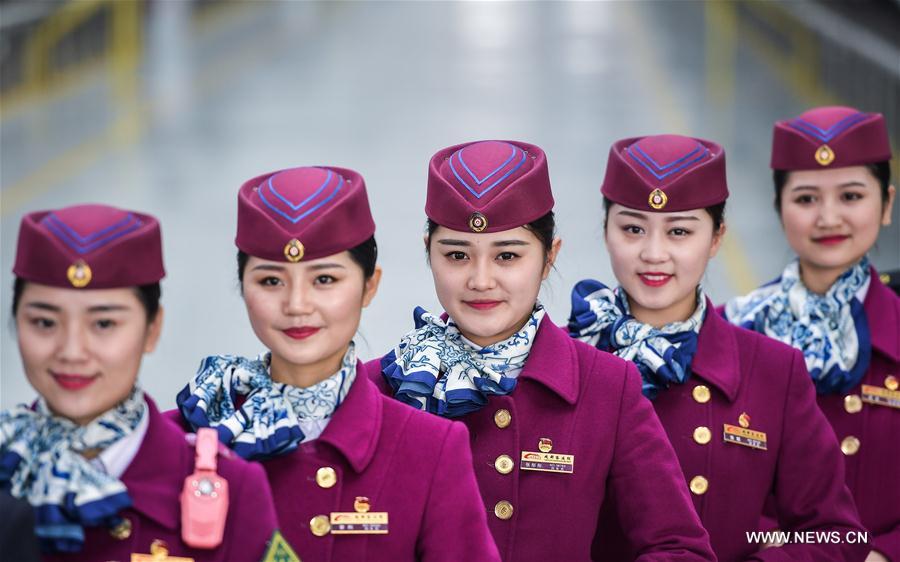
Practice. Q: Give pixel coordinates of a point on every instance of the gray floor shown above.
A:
(379, 87)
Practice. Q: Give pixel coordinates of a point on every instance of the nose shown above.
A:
(481, 277)
(829, 214)
(298, 301)
(74, 348)
(654, 250)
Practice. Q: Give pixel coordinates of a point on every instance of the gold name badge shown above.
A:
(135, 557)
(349, 523)
(745, 437)
(547, 462)
(880, 396)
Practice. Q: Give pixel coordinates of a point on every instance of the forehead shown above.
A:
(617, 210)
(831, 177)
(484, 238)
(75, 299)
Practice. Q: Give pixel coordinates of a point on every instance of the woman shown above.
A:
(103, 469)
(356, 476)
(557, 427)
(833, 193)
(737, 407)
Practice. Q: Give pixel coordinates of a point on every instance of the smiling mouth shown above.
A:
(73, 382)
(831, 240)
(483, 304)
(655, 279)
(301, 333)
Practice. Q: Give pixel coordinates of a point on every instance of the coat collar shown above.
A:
(552, 361)
(883, 315)
(716, 359)
(155, 477)
(355, 427)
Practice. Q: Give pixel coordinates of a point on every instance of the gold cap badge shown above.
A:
(657, 199)
(477, 222)
(293, 251)
(79, 274)
(824, 155)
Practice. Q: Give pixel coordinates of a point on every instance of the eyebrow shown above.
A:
(98, 308)
(498, 244)
(852, 183)
(668, 219)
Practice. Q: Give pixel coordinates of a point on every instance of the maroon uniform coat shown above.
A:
(154, 480)
(589, 404)
(873, 466)
(415, 467)
(737, 372)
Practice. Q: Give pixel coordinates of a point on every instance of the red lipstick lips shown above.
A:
(482, 304)
(73, 382)
(301, 333)
(654, 279)
(830, 240)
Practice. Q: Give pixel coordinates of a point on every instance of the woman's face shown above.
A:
(307, 313)
(659, 259)
(82, 349)
(831, 218)
(488, 282)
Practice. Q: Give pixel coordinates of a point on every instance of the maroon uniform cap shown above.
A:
(488, 186)
(830, 137)
(665, 173)
(303, 214)
(89, 247)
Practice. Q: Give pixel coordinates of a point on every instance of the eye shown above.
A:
(852, 196)
(804, 199)
(457, 256)
(633, 229)
(42, 323)
(270, 281)
(507, 256)
(325, 279)
(679, 232)
(105, 323)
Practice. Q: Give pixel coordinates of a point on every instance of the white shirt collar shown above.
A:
(115, 459)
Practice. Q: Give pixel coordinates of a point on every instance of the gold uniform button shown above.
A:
(320, 525)
(850, 445)
(701, 393)
(852, 403)
(504, 464)
(326, 477)
(121, 531)
(502, 418)
(891, 382)
(503, 510)
(699, 485)
(702, 435)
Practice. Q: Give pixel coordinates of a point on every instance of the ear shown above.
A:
(371, 286)
(154, 329)
(551, 257)
(717, 241)
(888, 206)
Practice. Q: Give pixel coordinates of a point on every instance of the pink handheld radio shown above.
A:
(204, 498)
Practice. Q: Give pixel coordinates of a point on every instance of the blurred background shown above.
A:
(167, 106)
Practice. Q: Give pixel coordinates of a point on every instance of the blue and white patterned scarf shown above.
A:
(41, 461)
(275, 417)
(831, 329)
(601, 317)
(437, 370)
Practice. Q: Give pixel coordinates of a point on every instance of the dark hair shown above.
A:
(149, 296)
(880, 170)
(544, 228)
(365, 255)
(717, 212)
